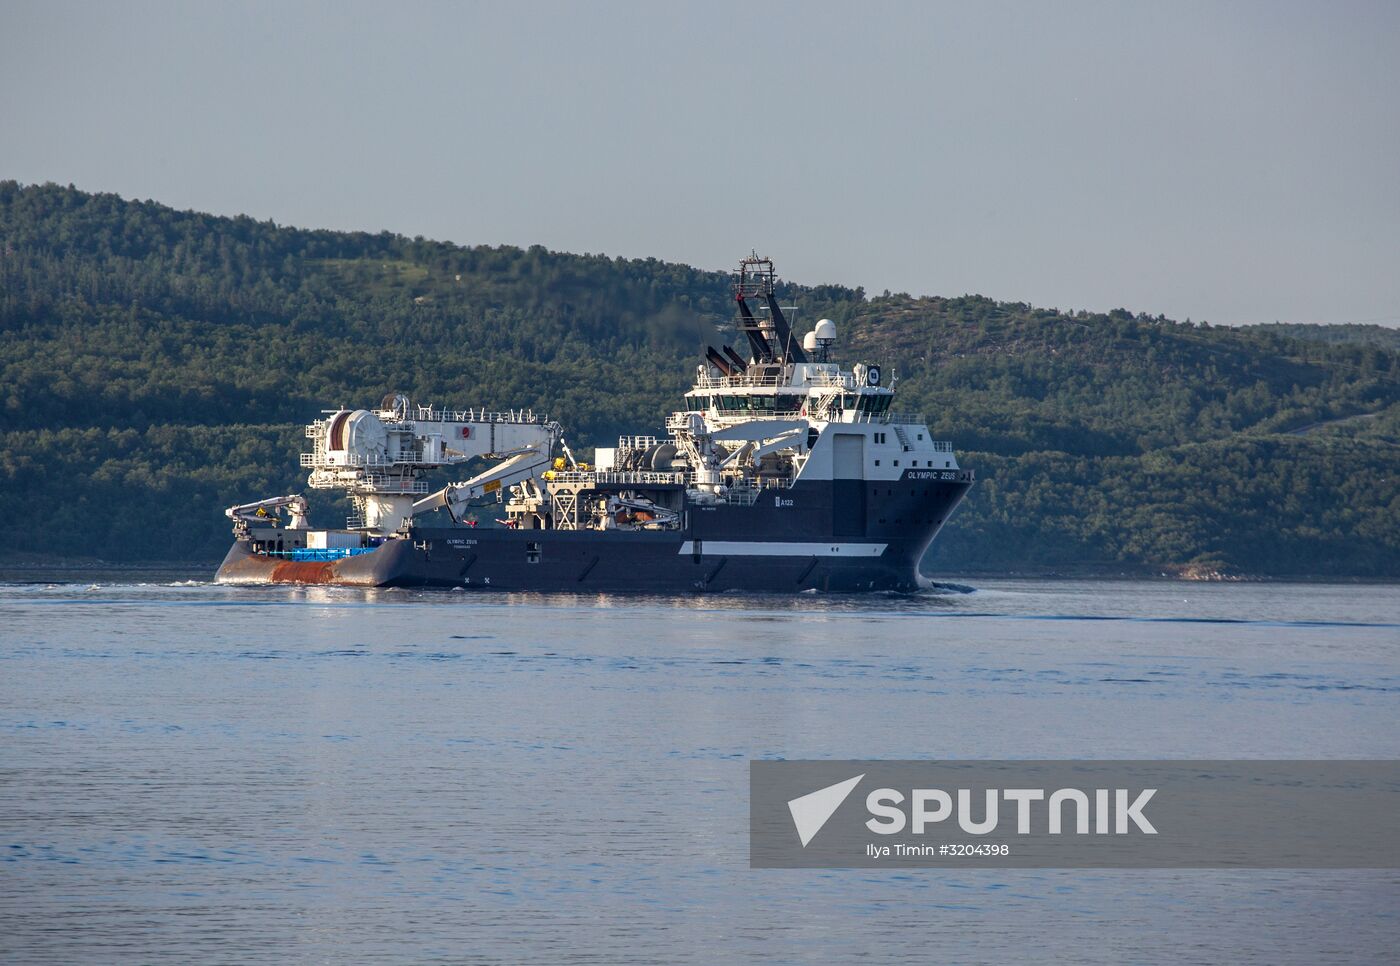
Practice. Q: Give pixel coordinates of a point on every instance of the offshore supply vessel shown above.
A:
(783, 473)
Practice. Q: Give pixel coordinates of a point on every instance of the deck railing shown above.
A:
(428, 414)
(617, 476)
(745, 380)
(311, 553)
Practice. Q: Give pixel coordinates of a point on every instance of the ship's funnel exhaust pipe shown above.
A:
(718, 361)
(791, 349)
(762, 351)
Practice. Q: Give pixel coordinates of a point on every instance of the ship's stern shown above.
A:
(382, 566)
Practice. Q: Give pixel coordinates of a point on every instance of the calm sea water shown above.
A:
(192, 772)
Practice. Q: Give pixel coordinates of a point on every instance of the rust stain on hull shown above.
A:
(303, 572)
(246, 568)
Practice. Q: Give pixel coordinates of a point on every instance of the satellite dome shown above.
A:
(825, 330)
(809, 342)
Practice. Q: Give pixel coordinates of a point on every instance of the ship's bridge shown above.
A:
(781, 376)
(816, 391)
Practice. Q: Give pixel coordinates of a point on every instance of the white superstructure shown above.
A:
(380, 457)
(779, 415)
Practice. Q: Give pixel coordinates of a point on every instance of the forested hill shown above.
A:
(158, 366)
(1382, 336)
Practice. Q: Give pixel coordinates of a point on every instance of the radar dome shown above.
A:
(825, 331)
(809, 342)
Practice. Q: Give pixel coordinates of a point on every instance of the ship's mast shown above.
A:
(770, 338)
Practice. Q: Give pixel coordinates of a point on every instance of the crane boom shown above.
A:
(518, 467)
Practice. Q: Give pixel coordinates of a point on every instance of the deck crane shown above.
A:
(380, 458)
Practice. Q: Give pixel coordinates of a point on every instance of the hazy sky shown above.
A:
(1228, 161)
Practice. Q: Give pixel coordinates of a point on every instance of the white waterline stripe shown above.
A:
(752, 548)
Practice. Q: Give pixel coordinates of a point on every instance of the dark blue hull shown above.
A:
(840, 538)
